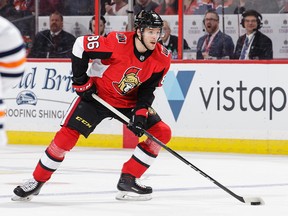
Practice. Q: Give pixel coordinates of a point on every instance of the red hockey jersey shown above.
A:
(124, 77)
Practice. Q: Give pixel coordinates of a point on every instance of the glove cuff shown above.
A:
(84, 87)
(81, 80)
(142, 112)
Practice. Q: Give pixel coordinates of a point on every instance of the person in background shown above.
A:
(228, 8)
(117, 7)
(214, 44)
(21, 17)
(147, 5)
(77, 7)
(171, 41)
(243, 5)
(12, 65)
(283, 6)
(253, 44)
(102, 23)
(102, 6)
(54, 42)
(262, 6)
(46, 7)
(189, 6)
(265, 6)
(203, 6)
(167, 7)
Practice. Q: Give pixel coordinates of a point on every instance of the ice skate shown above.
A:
(26, 191)
(130, 188)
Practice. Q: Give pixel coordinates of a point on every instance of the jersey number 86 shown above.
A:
(93, 42)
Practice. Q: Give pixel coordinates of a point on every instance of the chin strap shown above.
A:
(142, 41)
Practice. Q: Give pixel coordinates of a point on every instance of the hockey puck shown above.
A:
(255, 203)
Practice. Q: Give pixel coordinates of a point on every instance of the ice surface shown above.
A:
(85, 184)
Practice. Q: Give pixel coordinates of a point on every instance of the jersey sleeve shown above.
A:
(95, 46)
(90, 47)
(12, 55)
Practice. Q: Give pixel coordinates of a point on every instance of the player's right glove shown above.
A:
(138, 121)
(85, 90)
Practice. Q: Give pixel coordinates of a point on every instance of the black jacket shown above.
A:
(261, 47)
(44, 46)
(173, 44)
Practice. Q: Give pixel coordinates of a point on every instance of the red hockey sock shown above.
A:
(146, 152)
(64, 141)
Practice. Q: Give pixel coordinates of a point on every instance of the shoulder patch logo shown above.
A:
(129, 81)
(165, 51)
(121, 38)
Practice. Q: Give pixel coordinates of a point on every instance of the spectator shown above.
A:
(263, 6)
(7, 10)
(203, 6)
(228, 6)
(253, 44)
(118, 7)
(242, 6)
(189, 6)
(102, 23)
(19, 16)
(46, 7)
(168, 7)
(171, 41)
(53, 43)
(102, 6)
(283, 6)
(215, 44)
(147, 5)
(78, 7)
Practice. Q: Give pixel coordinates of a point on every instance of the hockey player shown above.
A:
(12, 63)
(126, 69)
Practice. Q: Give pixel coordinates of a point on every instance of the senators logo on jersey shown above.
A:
(129, 81)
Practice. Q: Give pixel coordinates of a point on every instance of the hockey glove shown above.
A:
(86, 90)
(138, 121)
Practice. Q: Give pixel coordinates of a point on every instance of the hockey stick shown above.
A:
(248, 200)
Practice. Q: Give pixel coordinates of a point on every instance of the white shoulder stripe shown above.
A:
(78, 47)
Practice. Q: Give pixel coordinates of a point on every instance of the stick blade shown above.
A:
(254, 201)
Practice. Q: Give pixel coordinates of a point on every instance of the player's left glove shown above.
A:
(138, 121)
(86, 90)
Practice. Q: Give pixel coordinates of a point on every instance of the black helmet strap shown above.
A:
(141, 39)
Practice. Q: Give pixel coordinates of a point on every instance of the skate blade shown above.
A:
(130, 196)
(22, 199)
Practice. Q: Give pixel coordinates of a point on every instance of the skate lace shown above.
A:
(138, 182)
(29, 185)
